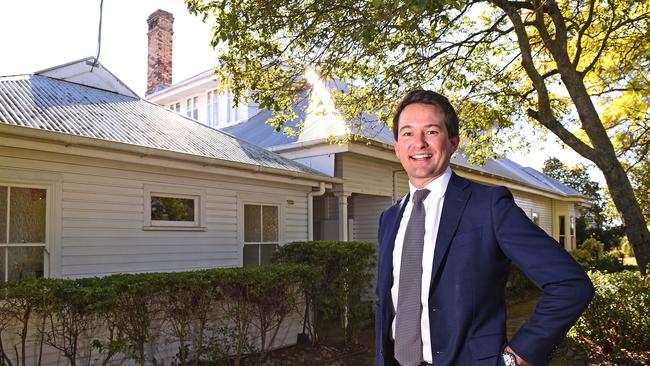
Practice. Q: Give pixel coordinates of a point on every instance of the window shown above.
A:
(171, 208)
(261, 233)
(178, 107)
(572, 231)
(23, 227)
(195, 107)
(188, 108)
(171, 107)
(215, 108)
(228, 106)
(209, 114)
(535, 218)
(562, 236)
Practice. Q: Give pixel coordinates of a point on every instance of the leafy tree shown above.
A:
(594, 221)
(578, 68)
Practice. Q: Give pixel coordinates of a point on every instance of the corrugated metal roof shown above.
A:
(54, 105)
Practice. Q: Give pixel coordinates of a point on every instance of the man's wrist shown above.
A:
(518, 360)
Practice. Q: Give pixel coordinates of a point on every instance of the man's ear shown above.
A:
(395, 148)
(454, 141)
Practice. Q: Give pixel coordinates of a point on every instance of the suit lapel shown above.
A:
(456, 198)
(392, 220)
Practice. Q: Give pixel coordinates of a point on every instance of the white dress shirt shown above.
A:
(432, 209)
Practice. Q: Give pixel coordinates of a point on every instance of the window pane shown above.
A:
(267, 252)
(172, 209)
(251, 255)
(3, 216)
(270, 220)
(27, 221)
(252, 224)
(25, 262)
(561, 224)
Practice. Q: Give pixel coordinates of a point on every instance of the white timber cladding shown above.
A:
(365, 175)
(401, 183)
(543, 206)
(102, 217)
(365, 210)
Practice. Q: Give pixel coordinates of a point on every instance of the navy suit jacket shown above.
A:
(481, 231)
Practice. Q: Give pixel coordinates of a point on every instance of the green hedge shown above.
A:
(344, 275)
(590, 255)
(114, 315)
(619, 314)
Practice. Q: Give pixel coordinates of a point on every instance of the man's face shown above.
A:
(423, 145)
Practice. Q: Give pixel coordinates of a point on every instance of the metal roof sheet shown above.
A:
(44, 103)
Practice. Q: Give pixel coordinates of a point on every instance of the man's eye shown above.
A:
(432, 132)
(406, 133)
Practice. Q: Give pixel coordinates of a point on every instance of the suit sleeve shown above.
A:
(566, 288)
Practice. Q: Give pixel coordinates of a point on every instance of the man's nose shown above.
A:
(421, 140)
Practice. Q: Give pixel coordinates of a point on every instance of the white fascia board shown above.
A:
(296, 150)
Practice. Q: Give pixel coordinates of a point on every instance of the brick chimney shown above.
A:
(159, 64)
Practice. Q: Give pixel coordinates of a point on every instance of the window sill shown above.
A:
(173, 228)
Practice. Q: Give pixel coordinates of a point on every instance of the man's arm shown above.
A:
(567, 289)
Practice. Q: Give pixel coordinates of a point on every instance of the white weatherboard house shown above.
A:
(95, 180)
(370, 176)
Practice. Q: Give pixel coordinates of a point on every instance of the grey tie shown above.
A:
(408, 334)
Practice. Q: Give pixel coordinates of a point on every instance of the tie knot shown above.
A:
(420, 195)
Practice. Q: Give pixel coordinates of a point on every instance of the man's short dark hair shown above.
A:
(432, 98)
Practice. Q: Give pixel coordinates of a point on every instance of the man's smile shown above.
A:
(420, 156)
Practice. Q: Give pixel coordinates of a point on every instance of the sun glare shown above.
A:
(322, 119)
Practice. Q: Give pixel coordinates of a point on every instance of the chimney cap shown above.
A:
(160, 13)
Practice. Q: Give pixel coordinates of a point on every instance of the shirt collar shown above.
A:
(438, 186)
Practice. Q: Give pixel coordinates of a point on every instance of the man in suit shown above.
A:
(444, 254)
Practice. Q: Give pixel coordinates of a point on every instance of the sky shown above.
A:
(47, 33)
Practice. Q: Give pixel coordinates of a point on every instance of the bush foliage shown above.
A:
(343, 275)
(115, 315)
(618, 316)
(591, 256)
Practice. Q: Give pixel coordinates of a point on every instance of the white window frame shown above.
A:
(209, 109)
(215, 108)
(263, 200)
(198, 195)
(195, 108)
(46, 244)
(229, 111)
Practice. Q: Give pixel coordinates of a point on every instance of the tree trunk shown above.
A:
(634, 223)
(601, 151)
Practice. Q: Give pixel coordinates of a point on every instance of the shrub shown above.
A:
(344, 274)
(17, 307)
(115, 313)
(617, 317)
(260, 297)
(518, 284)
(610, 262)
(591, 256)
